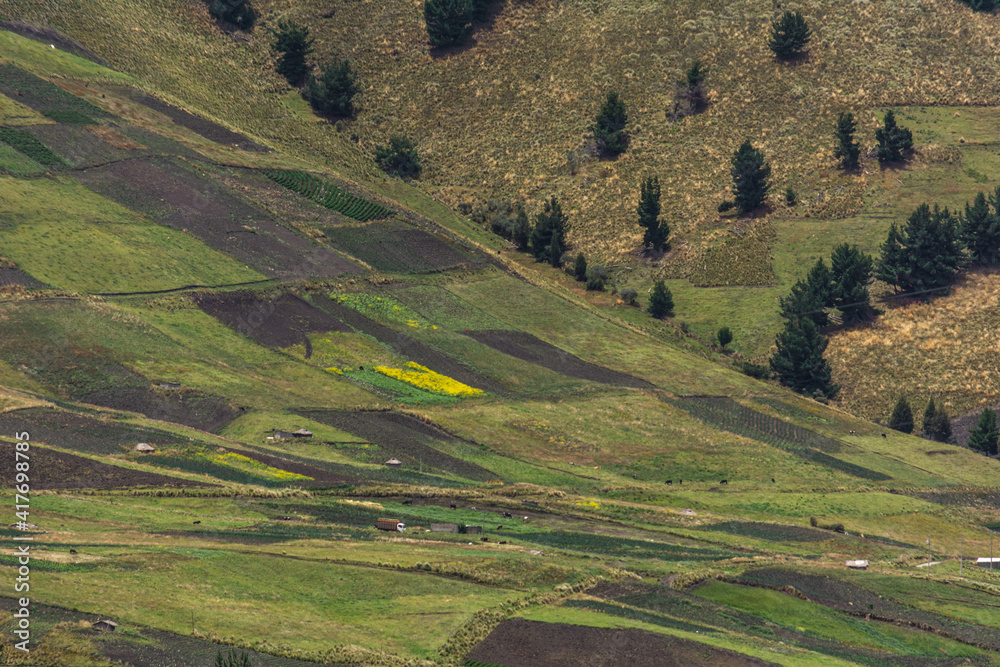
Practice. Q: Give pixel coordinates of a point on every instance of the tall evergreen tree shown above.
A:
(927, 426)
(609, 128)
(852, 273)
(521, 231)
(789, 35)
(580, 268)
(847, 148)
(983, 438)
(894, 141)
(656, 233)
(237, 12)
(925, 255)
(810, 297)
(661, 301)
(751, 174)
(980, 229)
(798, 362)
(448, 21)
(481, 9)
(894, 266)
(940, 426)
(555, 252)
(550, 224)
(293, 42)
(332, 92)
(902, 417)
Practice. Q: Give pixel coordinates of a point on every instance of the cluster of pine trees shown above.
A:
(937, 425)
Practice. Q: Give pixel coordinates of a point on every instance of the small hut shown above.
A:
(105, 625)
(170, 385)
(302, 433)
(857, 564)
(991, 563)
(145, 448)
(394, 463)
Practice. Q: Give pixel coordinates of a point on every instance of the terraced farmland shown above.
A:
(328, 195)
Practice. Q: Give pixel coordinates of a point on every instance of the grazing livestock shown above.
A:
(503, 542)
(484, 539)
(197, 522)
(408, 502)
(670, 481)
(725, 481)
(72, 551)
(772, 480)
(454, 506)
(500, 527)
(884, 435)
(508, 515)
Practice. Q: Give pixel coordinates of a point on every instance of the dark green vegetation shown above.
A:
(332, 91)
(751, 178)
(789, 36)
(632, 489)
(239, 13)
(294, 44)
(609, 128)
(894, 141)
(399, 157)
(656, 231)
(448, 21)
(328, 195)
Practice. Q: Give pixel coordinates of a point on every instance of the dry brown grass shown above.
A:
(949, 347)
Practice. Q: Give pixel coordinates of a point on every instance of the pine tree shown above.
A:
(789, 35)
(925, 255)
(332, 92)
(811, 296)
(555, 252)
(580, 268)
(609, 128)
(481, 9)
(852, 273)
(983, 438)
(549, 223)
(902, 417)
(980, 229)
(657, 231)
(894, 141)
(893, 266)
(689, 92)
(847, 148)
(448, 21)
(750, 178)
(661, 301)
(928, 422)
(798, 362)
(293, 42)
(521, 231)
(237, 12)
(940, 425)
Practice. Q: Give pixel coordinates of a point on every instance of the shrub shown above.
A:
(595, 283)
(661, 301)
(293, 42)
(983, 5)
(755, 370)
(983, 438)
(609, 128)
(689, 92)
(629, 296)
(725, 337)
(399, 157)
(750, 178)
(790, 196)
(332, 92)
(726, 206)
(789, 35)
(448, 21)
(237, 12)
(894, 142)
(232, 659)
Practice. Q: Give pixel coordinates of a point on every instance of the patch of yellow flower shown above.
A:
(334, 369)
(593, 504)
(240, 462)
(424, 378)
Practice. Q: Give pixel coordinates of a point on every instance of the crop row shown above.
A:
(23, 142)
(327, 195)
(41, 95)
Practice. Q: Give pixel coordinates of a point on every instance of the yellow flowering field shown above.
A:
(240, 462)
(426, 379)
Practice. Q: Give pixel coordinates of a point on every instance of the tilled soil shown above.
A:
(198, 204)
(409, 348)
(857, 601)
(400, 248)
(19, 277)
(206, 128)
(58, 470)
(278, 321)
(205, 412)
(520, 643)
(320, 477)
(74, 431)
(528, 348)
(402, 436)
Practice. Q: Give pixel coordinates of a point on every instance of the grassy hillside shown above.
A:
(609, 476)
